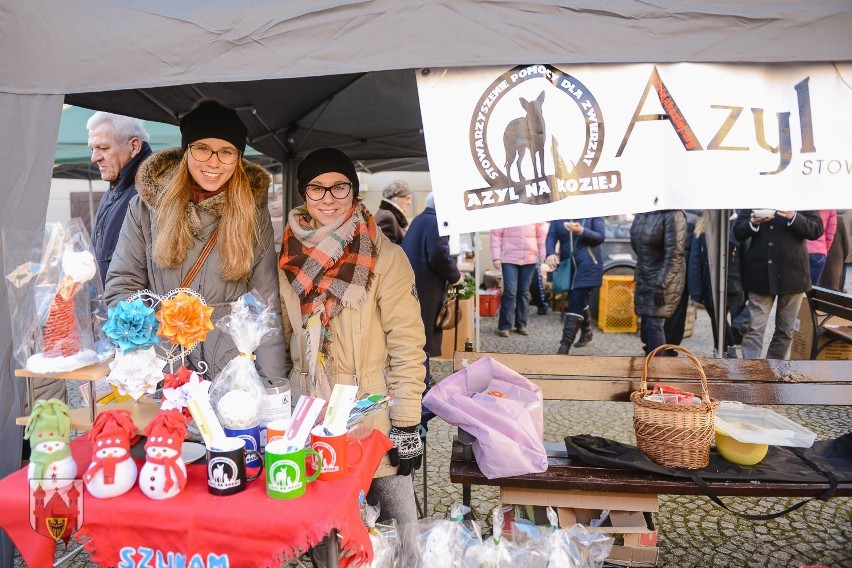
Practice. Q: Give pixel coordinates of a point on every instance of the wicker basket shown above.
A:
(674, 435)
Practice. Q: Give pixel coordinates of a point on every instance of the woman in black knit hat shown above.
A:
(187, 197)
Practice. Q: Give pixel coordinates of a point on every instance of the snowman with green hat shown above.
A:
(49, 433)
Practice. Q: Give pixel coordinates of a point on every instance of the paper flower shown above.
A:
(131, 326)
(177, 396)
(184, 320)
(136, 373)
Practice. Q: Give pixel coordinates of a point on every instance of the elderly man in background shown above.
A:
(119, 145)
(396, 199)
(776, 269)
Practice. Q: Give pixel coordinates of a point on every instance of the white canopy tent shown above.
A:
(131, 55)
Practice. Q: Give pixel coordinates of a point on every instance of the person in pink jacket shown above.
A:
(818, 248)
(516, 251)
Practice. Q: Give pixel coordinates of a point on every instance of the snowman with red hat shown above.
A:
(164, 473)
(112, 471)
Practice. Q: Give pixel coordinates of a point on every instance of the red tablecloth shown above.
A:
(249, 528)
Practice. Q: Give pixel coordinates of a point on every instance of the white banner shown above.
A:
(510, 146)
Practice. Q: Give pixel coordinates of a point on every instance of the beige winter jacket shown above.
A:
(133, 267)
(378, 347)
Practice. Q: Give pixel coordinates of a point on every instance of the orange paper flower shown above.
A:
(184, 320)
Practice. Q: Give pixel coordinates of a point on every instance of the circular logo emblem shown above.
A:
(222, 473)
(329, 457)
(284, 476)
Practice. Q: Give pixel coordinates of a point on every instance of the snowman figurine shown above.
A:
(164, 473)
(49, 433)
(112, 471)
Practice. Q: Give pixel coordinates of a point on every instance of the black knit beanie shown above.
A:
(323, 161)
(210, 119)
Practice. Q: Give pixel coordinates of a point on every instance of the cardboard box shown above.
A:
(579, 499)
(465, 330)
(628, 556)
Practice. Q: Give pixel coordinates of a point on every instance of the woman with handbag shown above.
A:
(200, 221)
(352, 316)
(435, 270)
(580, 263)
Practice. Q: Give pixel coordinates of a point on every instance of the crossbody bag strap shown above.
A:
(199, 262)
(824, 496)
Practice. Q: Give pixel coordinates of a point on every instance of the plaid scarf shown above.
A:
(330, 268)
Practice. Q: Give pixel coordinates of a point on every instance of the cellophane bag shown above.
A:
(493, 552)
(55, 298)
(554, 547)
(237, 392)
(383, 537)
(437, 543)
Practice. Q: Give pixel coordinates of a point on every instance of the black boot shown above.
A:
(585, 329)
(569, 332)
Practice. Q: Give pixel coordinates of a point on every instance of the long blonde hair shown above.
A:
(237, 226)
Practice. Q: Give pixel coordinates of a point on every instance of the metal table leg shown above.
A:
(331, 550)
(93, 401)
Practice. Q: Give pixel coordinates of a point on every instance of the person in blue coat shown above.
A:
(579, 240)
(434, 268)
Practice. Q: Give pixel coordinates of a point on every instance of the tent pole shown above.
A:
(478, 278)
(722, 287)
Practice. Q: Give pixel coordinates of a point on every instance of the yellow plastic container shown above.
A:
(616, 313)
(740, 452)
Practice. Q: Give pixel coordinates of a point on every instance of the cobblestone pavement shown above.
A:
(692, 531)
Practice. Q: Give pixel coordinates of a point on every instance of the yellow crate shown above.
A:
(616, 313)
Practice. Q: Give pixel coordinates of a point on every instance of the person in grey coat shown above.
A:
(185, 196)
(658, 238)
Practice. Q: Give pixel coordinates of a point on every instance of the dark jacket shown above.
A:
(699, 281)
(391, 221)
(112, 208)
(832, 276)
(588, 254)
(777, 259)
(659, 238)
(429, 254)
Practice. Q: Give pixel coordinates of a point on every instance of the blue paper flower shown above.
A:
(132, 326)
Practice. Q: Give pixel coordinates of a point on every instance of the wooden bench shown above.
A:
(599, 378)
(831, 318)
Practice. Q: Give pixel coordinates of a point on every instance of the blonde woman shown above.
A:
(186, 197)
(352, 315)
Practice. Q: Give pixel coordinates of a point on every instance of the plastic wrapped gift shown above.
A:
(55, 299)
(237, 392)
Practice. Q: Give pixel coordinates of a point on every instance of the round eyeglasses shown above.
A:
(202, 153)
(338, 191)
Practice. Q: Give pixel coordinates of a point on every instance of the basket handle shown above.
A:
(705, 395)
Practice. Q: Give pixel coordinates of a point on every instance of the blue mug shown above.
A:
(251, 436)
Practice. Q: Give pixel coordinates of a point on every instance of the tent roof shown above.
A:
(95, 45)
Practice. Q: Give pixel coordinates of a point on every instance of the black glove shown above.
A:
(407, 451)
(659, 296)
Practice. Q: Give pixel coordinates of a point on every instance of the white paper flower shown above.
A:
(136, 373)
(79, 266)
(178, 398)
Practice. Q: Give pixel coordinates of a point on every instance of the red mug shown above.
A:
(335, 451)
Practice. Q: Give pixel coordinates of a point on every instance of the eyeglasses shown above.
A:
(202, 153)
(338, 191)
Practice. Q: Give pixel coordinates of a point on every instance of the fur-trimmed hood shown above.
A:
(155, 172)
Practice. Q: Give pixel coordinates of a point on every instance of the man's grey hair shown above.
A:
(430, 200)
(123, 127)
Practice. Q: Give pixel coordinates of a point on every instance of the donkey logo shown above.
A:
(524, 134)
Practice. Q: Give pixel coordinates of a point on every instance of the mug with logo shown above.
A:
(276, 429)
(335, 451)
(226, 466)
(251, 436)
(285, 470)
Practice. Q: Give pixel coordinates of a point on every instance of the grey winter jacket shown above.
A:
(658, 238)
(133, 267)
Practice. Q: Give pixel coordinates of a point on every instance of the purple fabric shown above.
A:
(508, 429)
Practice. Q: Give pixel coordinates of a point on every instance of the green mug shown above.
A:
(285, 470)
